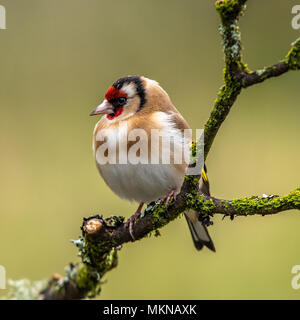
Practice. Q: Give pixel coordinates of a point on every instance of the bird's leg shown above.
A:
(130, 222)
(168, 197)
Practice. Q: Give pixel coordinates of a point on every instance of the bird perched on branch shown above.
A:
(123, 140)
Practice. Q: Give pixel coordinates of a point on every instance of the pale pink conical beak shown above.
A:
(104, 108)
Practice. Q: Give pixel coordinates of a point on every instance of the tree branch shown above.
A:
(207, 206)
(102, 238)
(229, 11)
(236, 73)
(291, 62)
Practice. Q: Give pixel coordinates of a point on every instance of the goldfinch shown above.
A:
(137, 104)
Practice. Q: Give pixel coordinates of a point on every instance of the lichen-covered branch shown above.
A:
(264, 205)
(82, 280)
(236, 73)
(290, 62)
(229, 11)
(102, 238)
(156, 216)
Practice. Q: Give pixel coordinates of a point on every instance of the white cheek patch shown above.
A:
(129, 88)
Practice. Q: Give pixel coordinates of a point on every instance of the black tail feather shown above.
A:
(200, 235)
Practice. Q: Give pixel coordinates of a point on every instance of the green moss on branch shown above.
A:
(230, 9)
(259, 205)
(293, 57)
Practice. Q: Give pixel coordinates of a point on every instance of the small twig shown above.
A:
(291, 62)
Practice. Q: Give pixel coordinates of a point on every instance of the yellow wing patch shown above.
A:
(204, 176)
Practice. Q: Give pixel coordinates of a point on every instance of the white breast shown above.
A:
(143, 182)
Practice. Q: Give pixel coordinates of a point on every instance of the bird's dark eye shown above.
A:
(122, 100)
(119, 102)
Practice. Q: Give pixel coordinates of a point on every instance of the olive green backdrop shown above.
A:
(57, 59)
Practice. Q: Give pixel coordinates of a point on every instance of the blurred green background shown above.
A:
(58, 58)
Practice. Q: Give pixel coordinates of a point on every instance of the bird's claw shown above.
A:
(168, 197)
(130, 222)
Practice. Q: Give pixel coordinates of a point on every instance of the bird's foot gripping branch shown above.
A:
(102, 238)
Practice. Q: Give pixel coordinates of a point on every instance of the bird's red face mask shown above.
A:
(113, 105)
